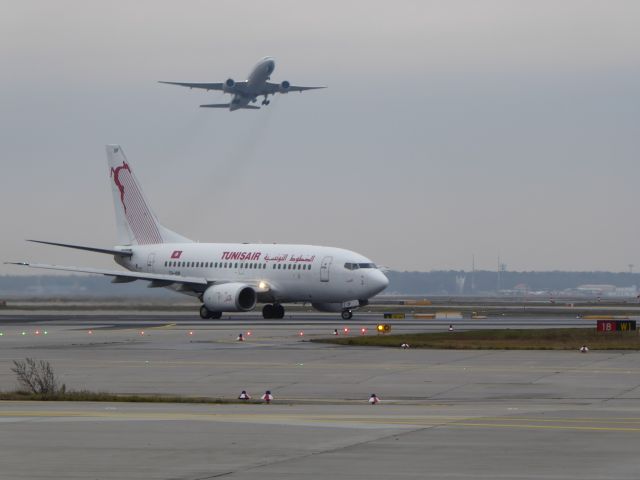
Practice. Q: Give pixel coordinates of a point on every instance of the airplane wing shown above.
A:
(237, 87)
(227, 105)
(196, 284)
(206, 86)
(123, 276)
(277, 88)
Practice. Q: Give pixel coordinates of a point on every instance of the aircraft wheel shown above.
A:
(278, 311)
(205, 312)
(267, 311)
(347, 314)
(216, 315)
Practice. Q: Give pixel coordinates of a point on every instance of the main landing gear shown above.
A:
(205, 313)
(266, 100)
(347, 314)
(273, 311)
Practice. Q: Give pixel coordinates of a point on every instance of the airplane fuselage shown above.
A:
(290, 273)
(256, 82)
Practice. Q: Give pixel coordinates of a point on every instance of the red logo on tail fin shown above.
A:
(115, 172)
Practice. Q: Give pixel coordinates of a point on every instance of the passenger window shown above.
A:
(236, 265)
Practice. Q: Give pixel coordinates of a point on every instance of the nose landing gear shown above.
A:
(347, 314)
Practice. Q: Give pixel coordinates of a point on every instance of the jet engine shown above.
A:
(284, 87)
(229, 84)
(230, 297)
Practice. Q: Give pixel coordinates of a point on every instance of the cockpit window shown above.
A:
(356, 266)
(367, 265)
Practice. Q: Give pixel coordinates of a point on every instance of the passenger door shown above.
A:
(325, 266)
(151, 259)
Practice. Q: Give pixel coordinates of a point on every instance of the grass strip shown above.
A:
(88, 396)
(504, 339)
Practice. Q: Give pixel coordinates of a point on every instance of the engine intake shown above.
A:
(284, 86)
(230, 297)
(229, 84)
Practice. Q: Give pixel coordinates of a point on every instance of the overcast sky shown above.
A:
(449, 128)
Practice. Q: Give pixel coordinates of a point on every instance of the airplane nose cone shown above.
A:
(379, 281)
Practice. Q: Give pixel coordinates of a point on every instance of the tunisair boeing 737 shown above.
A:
(225, 277)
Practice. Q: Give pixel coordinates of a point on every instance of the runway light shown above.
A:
(45, 332)
(249, 333)
(301, 333)
(191, 332)
(90, 332)
(346, 330)
(1, 334)
(141, 332)
(363, 331)
(380, 328)
(37, 332)
(24, 333)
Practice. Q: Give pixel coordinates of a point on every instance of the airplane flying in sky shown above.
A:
(226, 277)
(247, 92)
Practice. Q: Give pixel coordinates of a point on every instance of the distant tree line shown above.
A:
(484, 281)
(451, 282)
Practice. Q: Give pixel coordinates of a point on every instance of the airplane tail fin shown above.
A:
(136, 222)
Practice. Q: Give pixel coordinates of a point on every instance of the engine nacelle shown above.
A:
(328, 307)
(229, 84)
(284, 87)
(230, 297)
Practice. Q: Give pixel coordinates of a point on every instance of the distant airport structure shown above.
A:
(246, 92)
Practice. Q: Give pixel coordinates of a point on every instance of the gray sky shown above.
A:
(449, 128)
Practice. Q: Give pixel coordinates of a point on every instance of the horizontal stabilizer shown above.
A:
(227, 105)
(108, 251)
(121, 276)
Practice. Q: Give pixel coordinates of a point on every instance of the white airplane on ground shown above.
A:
(248, 91)
(226, 277)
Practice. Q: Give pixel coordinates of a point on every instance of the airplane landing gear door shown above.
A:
(151, 259)
(325, 265)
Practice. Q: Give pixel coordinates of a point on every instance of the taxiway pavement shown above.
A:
(443, 414)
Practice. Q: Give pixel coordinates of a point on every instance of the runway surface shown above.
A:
(443, 414)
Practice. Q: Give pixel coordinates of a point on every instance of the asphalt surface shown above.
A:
(443, 414)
